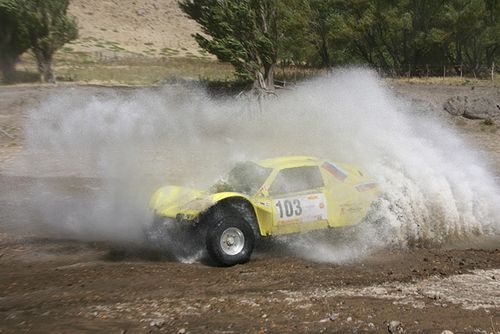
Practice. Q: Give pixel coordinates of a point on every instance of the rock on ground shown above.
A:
(472, 108)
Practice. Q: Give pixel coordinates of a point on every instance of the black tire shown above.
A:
(230, 225)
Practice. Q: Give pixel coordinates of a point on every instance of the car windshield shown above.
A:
(247, 177)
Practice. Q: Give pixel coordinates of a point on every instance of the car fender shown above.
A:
(261, 209)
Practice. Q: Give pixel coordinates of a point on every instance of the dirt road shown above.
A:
(49, 284)
(67, 286)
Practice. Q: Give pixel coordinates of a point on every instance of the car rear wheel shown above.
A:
(230, 241)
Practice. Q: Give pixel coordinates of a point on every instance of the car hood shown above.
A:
(173, 200)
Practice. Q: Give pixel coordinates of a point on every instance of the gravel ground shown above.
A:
(50, 284)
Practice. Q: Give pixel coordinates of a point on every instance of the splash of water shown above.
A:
(436, 188)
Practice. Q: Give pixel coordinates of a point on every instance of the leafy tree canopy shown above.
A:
(42, 25)
(49, 29)
(13, 37)
(241, 32)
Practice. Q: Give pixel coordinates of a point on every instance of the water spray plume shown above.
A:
(436, 188)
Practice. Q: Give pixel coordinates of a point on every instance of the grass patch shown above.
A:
(89, 39)
(451, 81)
(488, 122)
(153, 66)
(116, 48)
(168, 52)
(150, 52)
(143, 71)
(191, 55)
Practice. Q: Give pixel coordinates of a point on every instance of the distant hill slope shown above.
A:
(149, 27)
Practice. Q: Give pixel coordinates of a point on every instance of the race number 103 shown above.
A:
(289, 208)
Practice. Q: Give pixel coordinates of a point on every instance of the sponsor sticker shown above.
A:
(300, 209)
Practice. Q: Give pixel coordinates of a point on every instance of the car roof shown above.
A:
(289, 162)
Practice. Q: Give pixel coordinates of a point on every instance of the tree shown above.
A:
(305, 28)
(474, 29)
(294, 22)
(49, 28)
(13, 38)
(398, 34)
(321, 27)
(241, 32)
(491, 35)
(377, 31)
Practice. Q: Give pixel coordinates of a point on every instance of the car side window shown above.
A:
(290, 180)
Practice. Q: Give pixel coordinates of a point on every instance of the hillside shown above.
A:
(147, 27)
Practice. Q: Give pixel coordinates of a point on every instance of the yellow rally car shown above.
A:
(284, 195)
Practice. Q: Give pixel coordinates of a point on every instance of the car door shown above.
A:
(298, 200)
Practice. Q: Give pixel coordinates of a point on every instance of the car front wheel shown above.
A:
(230, 241)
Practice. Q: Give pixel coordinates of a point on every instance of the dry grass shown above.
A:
(136, 70)
(126, 68)
(145, 74)
(451, 81)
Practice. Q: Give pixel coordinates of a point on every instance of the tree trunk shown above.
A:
(264, 81)
(8, 69)
(323, 51)
(258, 82)
(269, 76)
(44, 62)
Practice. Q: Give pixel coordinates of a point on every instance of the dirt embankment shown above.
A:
(147, 27)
